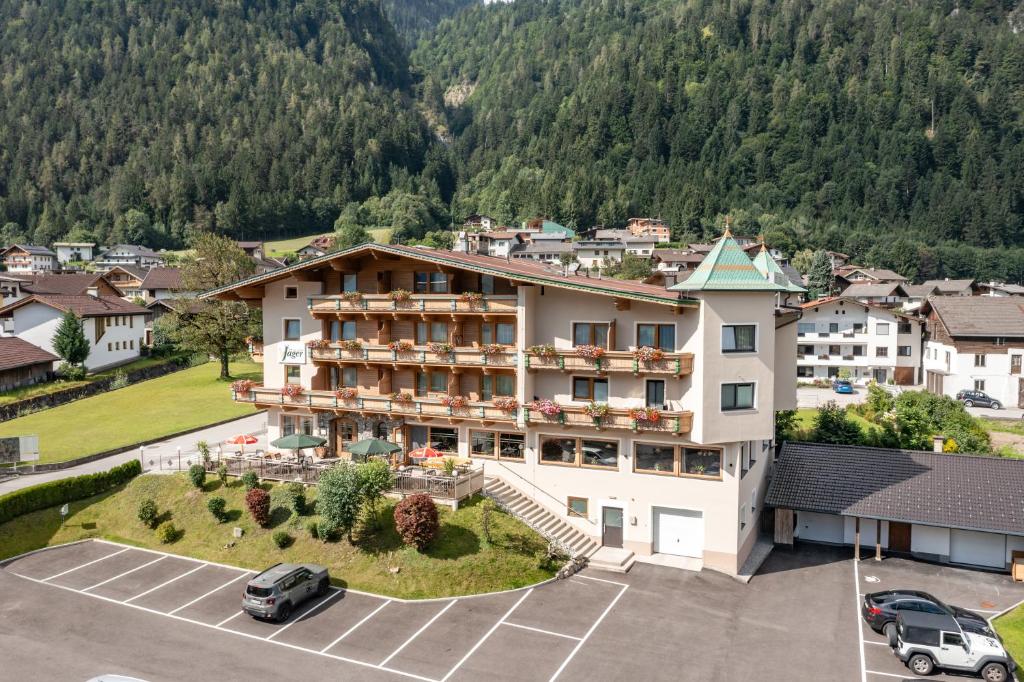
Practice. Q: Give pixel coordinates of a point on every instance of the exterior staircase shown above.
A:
(561, 534)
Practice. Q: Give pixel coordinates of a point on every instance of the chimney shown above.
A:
(670, 279)
(938, 443)
(93, 291)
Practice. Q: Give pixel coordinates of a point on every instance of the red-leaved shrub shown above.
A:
(257, 501)
(416, 520)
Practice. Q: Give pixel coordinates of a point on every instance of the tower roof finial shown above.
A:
(728, 232)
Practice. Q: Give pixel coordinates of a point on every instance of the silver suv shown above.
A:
(926, 641)
(276, 592)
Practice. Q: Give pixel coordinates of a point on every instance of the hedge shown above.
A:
(55, 493)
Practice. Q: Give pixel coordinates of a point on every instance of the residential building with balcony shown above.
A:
(641, 416)
(74, 252)
(28, 259)
(131, 255)
(650, 227)
(975, 343)
(870, 342)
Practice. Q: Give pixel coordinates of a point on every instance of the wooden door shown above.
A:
(899, 537)
(611, 527)
(345, 433)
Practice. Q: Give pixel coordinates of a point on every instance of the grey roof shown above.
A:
(545, 247)
(919, 290)
(873, 290)
(936, 489)
(878, 274)
(1011, 289)
(133, 250)
(980, 316)
(32, 249)
(952, 286)
(793, 274)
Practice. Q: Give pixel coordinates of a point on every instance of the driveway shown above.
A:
(809, 396)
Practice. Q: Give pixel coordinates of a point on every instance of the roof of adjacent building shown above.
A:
(31, 249)
(83, 305)
(499, 235)
(15, 352)
(767, 266)
(88, 244)
(552, 226)
(133, 250)
(676, 256)
(852, 301)
(953, 286)
(919, 290)
(249, 244)
(879, 274)
(1011, 289)
(550, 246)
(163, 278)
(519, 269)
(912, 486)
(62, 283)
(727, 267)
(181, 305)
(133, 270)
(979, 316)
(874, 290)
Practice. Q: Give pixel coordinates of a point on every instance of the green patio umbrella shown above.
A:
(297, 441)
(373, 446)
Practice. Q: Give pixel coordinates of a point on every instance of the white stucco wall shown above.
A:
(37, 323)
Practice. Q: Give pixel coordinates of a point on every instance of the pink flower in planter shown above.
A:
(548, 408)
(589, 352)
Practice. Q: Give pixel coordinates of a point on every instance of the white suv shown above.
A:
(926, 641)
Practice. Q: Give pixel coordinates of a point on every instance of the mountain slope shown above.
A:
(245, 117)
(803, 115)
(414, 19)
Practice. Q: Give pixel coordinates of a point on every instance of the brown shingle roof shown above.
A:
(15, 352)
(66, 284)
(83, 305)
(979, 316)
(163, 278)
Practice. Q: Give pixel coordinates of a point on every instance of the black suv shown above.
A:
(881, 608)
(979, 398)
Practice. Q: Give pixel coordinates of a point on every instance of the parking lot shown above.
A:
(97, 607)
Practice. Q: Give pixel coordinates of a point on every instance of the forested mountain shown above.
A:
(247, 117)
(414, 19)
(852, 124)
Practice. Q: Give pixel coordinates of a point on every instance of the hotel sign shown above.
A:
(293, 354)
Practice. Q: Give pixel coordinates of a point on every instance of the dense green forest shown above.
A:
(887, 129)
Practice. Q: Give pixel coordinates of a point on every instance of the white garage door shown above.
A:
(819, 527)
(978, 549)
(679, 532)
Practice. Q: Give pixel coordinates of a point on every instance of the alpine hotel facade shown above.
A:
(641, 415)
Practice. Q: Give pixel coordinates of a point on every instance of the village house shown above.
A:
(642, 417)
(975, 344)
(22, 364)
(130, 255)
(28, 259)
(649, 227)
(74, 252)
(160, 283)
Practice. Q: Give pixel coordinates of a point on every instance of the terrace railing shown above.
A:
(675, 422)
(566, 360)
(416, 303)
(462, 356)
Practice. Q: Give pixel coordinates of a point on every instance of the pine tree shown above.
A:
(820, 279)
(69, 341)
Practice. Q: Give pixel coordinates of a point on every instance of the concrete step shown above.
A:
(612, 559)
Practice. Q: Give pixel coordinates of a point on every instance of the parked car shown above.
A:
(979, 398)
(926, 641)
(842, 386)
(881, 608)
(274, 593)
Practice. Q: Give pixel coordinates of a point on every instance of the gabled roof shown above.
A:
(63, 283)
(82, 305)
(727, 267)
(249, 245)
(1011, 289)
(919, 290)
(136, 272)
(182, 305)
(978, 316)
(874, 290)
(912, 486)
(951, 286)
(549, 246)
(15, 352)
(519, 269)
(767, 266)
(133, 250)
(852, 301)
(163, 278)
(552, 226)
(877, 274)
(676, 256)
(31, 249)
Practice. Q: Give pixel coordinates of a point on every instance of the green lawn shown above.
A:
(1015, 426)
(380, 235)
(149, 409)
(459, 562)
(1011, 628)
(54, 386)
(805, 418)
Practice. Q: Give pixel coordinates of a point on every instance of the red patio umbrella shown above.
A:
(242, 439)
(425, 453)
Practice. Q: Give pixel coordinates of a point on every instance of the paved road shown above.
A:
(808, 396)
(157, 453)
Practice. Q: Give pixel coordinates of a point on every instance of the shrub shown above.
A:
(295, 494)
(148, 512)
(54, 493)
(282, 539)
(257, 501)
(222, 473)
(72, 372)
(487, 507)
(250, 480)
(197, 474)
(217, 507)
(311, 527)
(166, 532)
(339, 496)
(204, 451)
(375, 479)
(416, 520)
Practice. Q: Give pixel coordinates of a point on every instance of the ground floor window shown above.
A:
(291, 423)
(677, 460)
(497, 445)
(805, 372)
(577, 507)
(979, 384)
(439, 438)
(587, 452)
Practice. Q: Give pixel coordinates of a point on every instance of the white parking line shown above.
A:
(543, 632)
(875, 672)
(600, 580)
(216, 589)
(420, 631)
(89, 563)
(154, 589)
(120, 575)
(593, 627)
(860, 628)
(352, 629)
(876, 643)
(231, 617)
(295, 620)
(488, 634)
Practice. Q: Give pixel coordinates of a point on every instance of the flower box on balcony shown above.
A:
(441, 348)
(645, 415)
(493, 349)
(589, 352)
(400, 346)
(648, 354)
(351, 345)
(352, 297)
(242, 386)
(596, 411)
(506, 404)
(400, 397)
(318, 344)
(293, 391)
(544, 352)
(471, 297)
(399, 295)
(347, 393)
(455, 402)
(548, 408)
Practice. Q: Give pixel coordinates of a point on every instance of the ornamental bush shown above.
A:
(295, 494)
(257, 501)
(222, 474)
(148, 512)
(197, 474)
(416, 520)
(166, 532)
(282, 539)
(217, 507)
(250, 480)
(55, 493)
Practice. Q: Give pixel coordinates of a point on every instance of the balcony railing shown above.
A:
(678, 364)
(616, 418)
(419, 355)
(454, 304)
(416, 407)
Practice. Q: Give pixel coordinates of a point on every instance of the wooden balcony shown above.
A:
(418, 356)
(675, 364)
(617, 418)
(417, 304)
(422, 409)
